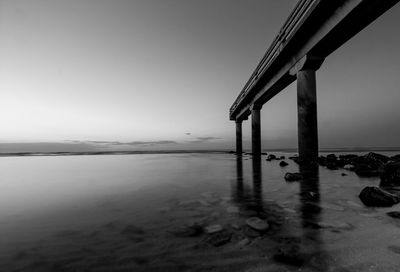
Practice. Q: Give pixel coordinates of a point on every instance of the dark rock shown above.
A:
(282, 157)
(395, 157)
(218, 239)
(332, 166)
(283, 164)
(257, 223)
(344, 174)
(331, 157)
(377, 197)
(391, 174)
(366, 170)
(348, 158)
(264, 153)
(293, 176)
(377, 157)
(394, 214)
(271, 157)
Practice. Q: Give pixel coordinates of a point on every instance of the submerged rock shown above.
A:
(394, 214)
(283, 164)
(257, 224)
(376, 197)
(213, 229)
(293, 176)
(390, 175)
(218, 239)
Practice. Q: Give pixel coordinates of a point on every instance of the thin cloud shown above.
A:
(134, 143)
(204, 139)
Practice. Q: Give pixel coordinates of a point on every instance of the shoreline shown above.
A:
(146, 152)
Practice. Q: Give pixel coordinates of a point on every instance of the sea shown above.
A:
(188, 212)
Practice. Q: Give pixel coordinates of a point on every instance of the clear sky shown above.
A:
(162, 74)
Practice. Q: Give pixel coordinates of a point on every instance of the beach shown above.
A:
(187, 212)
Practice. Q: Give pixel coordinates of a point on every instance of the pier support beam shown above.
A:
(307, 116)
(255, 130)
(239, 148)
(307, 108)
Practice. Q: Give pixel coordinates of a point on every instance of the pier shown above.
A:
(314, 29)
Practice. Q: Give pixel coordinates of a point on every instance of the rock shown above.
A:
(348, 158)
(257, 224)
(293, 176)
(244, 242)
(283, 164)
(344, 174)
(394, 214)
(232, 209)
(271, 157)
(213, 229)
(349, 167)
(366, 170)
(218, 239)
(390, 175)
(282, 157)
(373, 196)
(377, 157)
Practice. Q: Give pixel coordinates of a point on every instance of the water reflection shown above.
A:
(308, 248)
(310, 195)
(257, 202)
(249, 197)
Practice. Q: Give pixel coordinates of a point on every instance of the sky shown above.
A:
(162, 74)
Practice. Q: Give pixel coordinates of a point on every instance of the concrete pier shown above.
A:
(255, 130)
(313, 31)
(239, 145)
(307, 116)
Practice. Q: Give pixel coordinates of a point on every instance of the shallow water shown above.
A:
(130, 212)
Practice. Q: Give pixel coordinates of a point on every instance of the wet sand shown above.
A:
(316, 226)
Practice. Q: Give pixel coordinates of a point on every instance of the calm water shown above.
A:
(129, 212)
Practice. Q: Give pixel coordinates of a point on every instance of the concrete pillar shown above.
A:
(255, 130)
(307, 116)
(239, 148)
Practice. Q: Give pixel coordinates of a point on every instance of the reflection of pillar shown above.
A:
(257, 184)
(255, 130)
(239, 186)
(239, 149)
(307, 116)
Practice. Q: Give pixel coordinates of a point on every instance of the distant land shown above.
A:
(82, 148)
